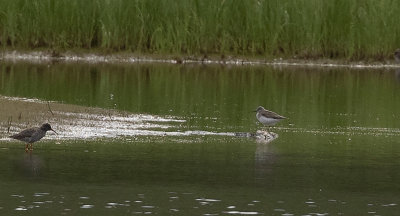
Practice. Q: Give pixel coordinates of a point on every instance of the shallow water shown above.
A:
(161, 139)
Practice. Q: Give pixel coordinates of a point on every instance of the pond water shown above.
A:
(160, 139)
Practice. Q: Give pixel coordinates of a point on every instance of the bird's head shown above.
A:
(47, 127)
(259, 109)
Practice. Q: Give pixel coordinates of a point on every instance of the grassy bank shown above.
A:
(351, 29)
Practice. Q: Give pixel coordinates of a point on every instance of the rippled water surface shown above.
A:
(163, 139)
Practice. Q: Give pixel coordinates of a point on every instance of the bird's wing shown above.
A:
(271, 114)
(25, 133)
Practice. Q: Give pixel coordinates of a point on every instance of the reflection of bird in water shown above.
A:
(267, 117)
(264, 157)
(32, 135)
(32, 164)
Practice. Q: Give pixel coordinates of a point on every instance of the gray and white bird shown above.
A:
(267, 117)
(32, 135)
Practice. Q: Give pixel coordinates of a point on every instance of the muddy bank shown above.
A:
(50, 56)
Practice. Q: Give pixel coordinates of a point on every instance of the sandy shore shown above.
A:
(117, 58)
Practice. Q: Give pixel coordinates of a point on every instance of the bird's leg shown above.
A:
(264, 134)
(26, 147)
(31, 146)
(266, 130)
(269, 134)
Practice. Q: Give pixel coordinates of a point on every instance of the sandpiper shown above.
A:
(32, 135)
(267, 117)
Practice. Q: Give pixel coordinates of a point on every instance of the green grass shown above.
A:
(352, 29)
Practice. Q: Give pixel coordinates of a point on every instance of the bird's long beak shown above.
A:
(54, 131)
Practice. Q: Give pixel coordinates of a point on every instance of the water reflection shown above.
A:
(264, 159)
(220, 197)
(202, 93)
(189, 204)
(169, 145)
(31, 164)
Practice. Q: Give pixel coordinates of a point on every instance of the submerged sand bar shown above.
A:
(79, 122)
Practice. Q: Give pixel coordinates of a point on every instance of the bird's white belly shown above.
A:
(267, 121)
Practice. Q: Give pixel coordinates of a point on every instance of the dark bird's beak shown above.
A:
(54, 131)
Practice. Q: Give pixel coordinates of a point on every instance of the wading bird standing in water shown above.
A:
(32, 135)
(267, 117)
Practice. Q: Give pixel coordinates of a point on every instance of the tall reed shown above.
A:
(355, 29)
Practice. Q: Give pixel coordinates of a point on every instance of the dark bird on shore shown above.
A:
(32, 135)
